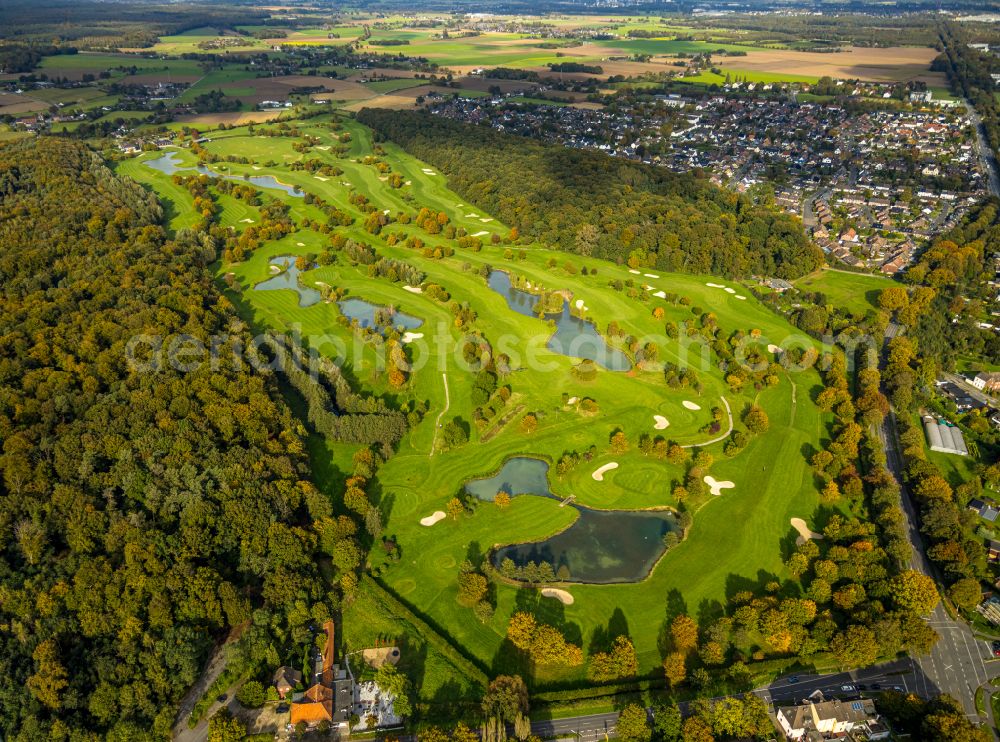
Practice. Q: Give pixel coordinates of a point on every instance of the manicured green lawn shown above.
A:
(738, 539)
(856, 292)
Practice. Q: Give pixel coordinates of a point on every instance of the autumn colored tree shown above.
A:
(684, 633)
(502, 500)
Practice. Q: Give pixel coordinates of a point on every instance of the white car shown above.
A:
(848, 688)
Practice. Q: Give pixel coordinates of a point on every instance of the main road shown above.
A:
(986, 155)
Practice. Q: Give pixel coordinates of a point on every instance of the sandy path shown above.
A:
(561, 595)
(598, 475)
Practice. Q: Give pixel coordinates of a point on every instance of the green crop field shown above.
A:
(856, 292)
(738, 539)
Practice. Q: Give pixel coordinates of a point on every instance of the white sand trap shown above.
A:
(636, 273)
(323, 283)
(324, 147)
(715, 285)
(572, 400)
(805, 534)
(486, 220)
(255, 167)
(646, 287)
(248, 220)
(472, 216)
(691, 405)
(480, 234)
(715, 486)
(740, 297)
(413, 289)
(661, 422)
(430, 520)
(579, 303)
(599, 474)
(345, 183)
(650, 275)
(729, 290)
(320, 177)
(385, 212)
(409, 337)
(383, 178)
(660, 295)
(772, 348)
(301, 244)
(409, 182)
(561, 595)
(275, 269)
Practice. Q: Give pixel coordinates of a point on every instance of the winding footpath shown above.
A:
(718, 438)
(437, 423)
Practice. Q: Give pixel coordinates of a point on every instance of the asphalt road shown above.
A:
(958, 663)
(985, 154)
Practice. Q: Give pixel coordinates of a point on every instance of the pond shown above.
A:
(574, 337)
(289, 279)
(169, 164)
(601, 546)
(364, 312)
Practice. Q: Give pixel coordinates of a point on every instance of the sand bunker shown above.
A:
(413, 289)
(660, 294)
(599, 474)
(320, 177)
(256, 167)
(275, 269)
(660, 422)
(430, 520)
(716, 487)
(572, 400)
(633, 272)
(480, 234)
(324, 147)
(805, 534)
(472, 216)
(301, 244)
(650, 275)
(248, 220)
(691, 405)
(561, 595)
(740, 297)
(579, 303)
(715, 285)
(729, 290)
(486, 220)
(772, 348)
(409, 337)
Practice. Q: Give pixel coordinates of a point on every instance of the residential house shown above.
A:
(818, 719)
(985, 508)
(286, 679)
(986, 381)
(330, 698)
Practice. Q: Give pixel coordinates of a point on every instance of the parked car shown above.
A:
(848, 688)
(793, 679)
(995, 646)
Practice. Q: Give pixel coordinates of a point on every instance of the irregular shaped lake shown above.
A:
(574, 337)
(169, 164)
(289, 279)
(364, 312)
(600, 546)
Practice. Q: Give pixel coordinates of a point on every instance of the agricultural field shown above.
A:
(772, 480)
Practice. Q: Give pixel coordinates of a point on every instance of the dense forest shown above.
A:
(593, 204)
(143, 513)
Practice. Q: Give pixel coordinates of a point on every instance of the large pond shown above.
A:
(353, 308)
(364, 312)
(600, 546)
(574, 337)
(289, 279)
(170, 164)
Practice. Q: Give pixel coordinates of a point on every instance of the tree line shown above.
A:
(592, 204)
